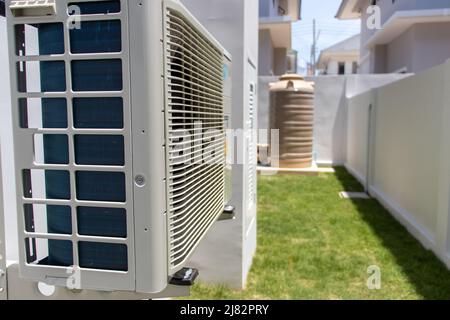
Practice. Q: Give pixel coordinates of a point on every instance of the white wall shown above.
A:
(329, 119)
(432, 45)
(280, 62)
(349, 66)
(263, 105)
(330, 104)
(405, 147)
(266, 53)
(400, 52)
(330, 107)
(358, 109)
(358, 84)
(408, 169)
(333, 67)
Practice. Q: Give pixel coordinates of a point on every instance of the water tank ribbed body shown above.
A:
(292, 113)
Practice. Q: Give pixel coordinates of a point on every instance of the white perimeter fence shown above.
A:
(398, 147)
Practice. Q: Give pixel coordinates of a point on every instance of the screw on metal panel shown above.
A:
(2, 273)
(139, 180)
(1, 290)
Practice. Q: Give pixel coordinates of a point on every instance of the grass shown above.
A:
(313, 245)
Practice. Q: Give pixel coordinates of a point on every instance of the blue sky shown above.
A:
(332, 29)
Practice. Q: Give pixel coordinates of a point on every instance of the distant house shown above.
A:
(341, 58)
(414, 35)
(276, 56)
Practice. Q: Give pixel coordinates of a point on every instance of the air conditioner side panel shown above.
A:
(195, 68)
(147, 99)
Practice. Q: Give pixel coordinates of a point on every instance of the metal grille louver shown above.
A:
(252, 147)
(195, 136)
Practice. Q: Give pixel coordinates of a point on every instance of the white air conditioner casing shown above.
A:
(176, 101)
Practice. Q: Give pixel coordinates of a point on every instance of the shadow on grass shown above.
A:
(426, 272)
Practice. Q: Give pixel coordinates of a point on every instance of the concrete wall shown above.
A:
(266, 53)
(379, 59)
(404, 159)
(280, 61)
(329, 116)
(400, 53)
(358, 111)
(330, 119)
(272, 61)
(357, 84)
(225, 256)
(263, 105)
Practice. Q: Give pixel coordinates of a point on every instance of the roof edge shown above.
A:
(347, 11)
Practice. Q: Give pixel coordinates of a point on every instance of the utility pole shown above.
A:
(316, 36)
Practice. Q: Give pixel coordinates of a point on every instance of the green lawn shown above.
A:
(313, 245)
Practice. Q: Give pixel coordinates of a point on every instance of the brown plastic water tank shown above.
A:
(292, 113)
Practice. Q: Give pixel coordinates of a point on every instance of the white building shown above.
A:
(276, 56)
(414, 35)
(341, 58)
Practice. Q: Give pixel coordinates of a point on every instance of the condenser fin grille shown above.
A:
(252, 147)
(195, 135)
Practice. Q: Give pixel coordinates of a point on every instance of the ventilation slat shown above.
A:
(195, 137)
(252, 148)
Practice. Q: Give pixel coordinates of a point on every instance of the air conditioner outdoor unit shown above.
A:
(120, 112)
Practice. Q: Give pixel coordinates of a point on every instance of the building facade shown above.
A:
(341, 58)
(276, 56)
(412, 35)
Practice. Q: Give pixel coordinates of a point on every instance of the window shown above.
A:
(341, 68)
